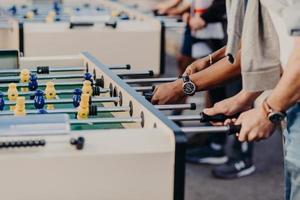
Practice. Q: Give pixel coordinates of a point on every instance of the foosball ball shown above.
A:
(74, 128)
(99, 26)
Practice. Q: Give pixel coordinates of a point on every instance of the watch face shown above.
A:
(276, 117)
(189, 88)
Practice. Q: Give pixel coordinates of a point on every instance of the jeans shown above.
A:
(292, 154)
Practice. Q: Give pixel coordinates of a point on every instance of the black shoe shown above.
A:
(234, 168)
(206, 155)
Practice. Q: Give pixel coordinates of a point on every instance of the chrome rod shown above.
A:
(106, 120)
(35, 70)
(150, 80)
(116, 67)
(191, 106)
(72, 83)
(229, 129)
(58, 92)
(206, 129)
(65, 101)
(9, 79)
(135, 73)
(143, 88)
(71, 110)
(185, 117)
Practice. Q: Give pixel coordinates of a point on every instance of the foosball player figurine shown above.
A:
(24, 78)
(20, 107)
(39, 101)
(77, 97)
(87, 88)
(12, 94)
(50, 93)
(2, 102)
(83, 109)
(33, 83)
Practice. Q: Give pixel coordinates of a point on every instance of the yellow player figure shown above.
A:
(83, 109)
(115, 13)
(29, 15)
(49, 19)
(87, 88)
(51, 13)
(24, 78)
(20, 107)
(12, 94)
(50, 93)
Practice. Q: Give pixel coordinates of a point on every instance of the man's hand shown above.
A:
(196, 23)
(255, 125)
(168, 93)
(241, 102)
(162, 8)
(197, 66)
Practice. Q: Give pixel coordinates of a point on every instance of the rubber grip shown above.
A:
(233, 129)
(216, 118)
(74, 25)
(148, 96)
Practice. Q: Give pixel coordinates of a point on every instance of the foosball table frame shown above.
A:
(137, 151)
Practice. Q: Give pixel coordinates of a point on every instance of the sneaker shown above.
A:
(206, 155)
(234, 168)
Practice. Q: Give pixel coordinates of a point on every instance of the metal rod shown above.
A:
(60, 69)
(143, 88)
(150, 80)
(106, 120)
(72, 83)
(116, 67)
(10, 79)
(135, 73)
(185, 117)
(58, 92)
(34, 70)
(191, 106)
(229, 129)
(65, 101)
(72, 110)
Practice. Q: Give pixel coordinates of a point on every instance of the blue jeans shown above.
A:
(292, 154)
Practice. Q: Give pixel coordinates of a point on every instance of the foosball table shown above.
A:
(107, 29)
(74, 128)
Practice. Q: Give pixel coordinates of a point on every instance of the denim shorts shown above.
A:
(292, 154)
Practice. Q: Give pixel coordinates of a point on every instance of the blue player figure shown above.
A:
(2, 102)
(77, 97)
(88, 76)
(33, 84)
(39, 100)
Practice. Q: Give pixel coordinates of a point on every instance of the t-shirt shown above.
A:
(285, 40)
(285, 16)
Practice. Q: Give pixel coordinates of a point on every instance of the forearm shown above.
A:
(287, 90)
(217, 74)
(203, 63)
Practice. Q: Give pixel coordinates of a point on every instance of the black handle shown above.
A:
(81, 24)
(111, 24)
(216, 118)
(156, 13)
(148, 96)
(233, 129)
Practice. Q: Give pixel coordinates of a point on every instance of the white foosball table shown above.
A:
(110, 31)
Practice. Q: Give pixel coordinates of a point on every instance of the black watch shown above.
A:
(189, 88)
(274, 116)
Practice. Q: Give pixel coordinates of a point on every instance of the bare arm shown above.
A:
(215, 75)
(287, 92)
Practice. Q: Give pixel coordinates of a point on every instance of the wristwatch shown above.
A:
(189, 88)
(274, 116)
